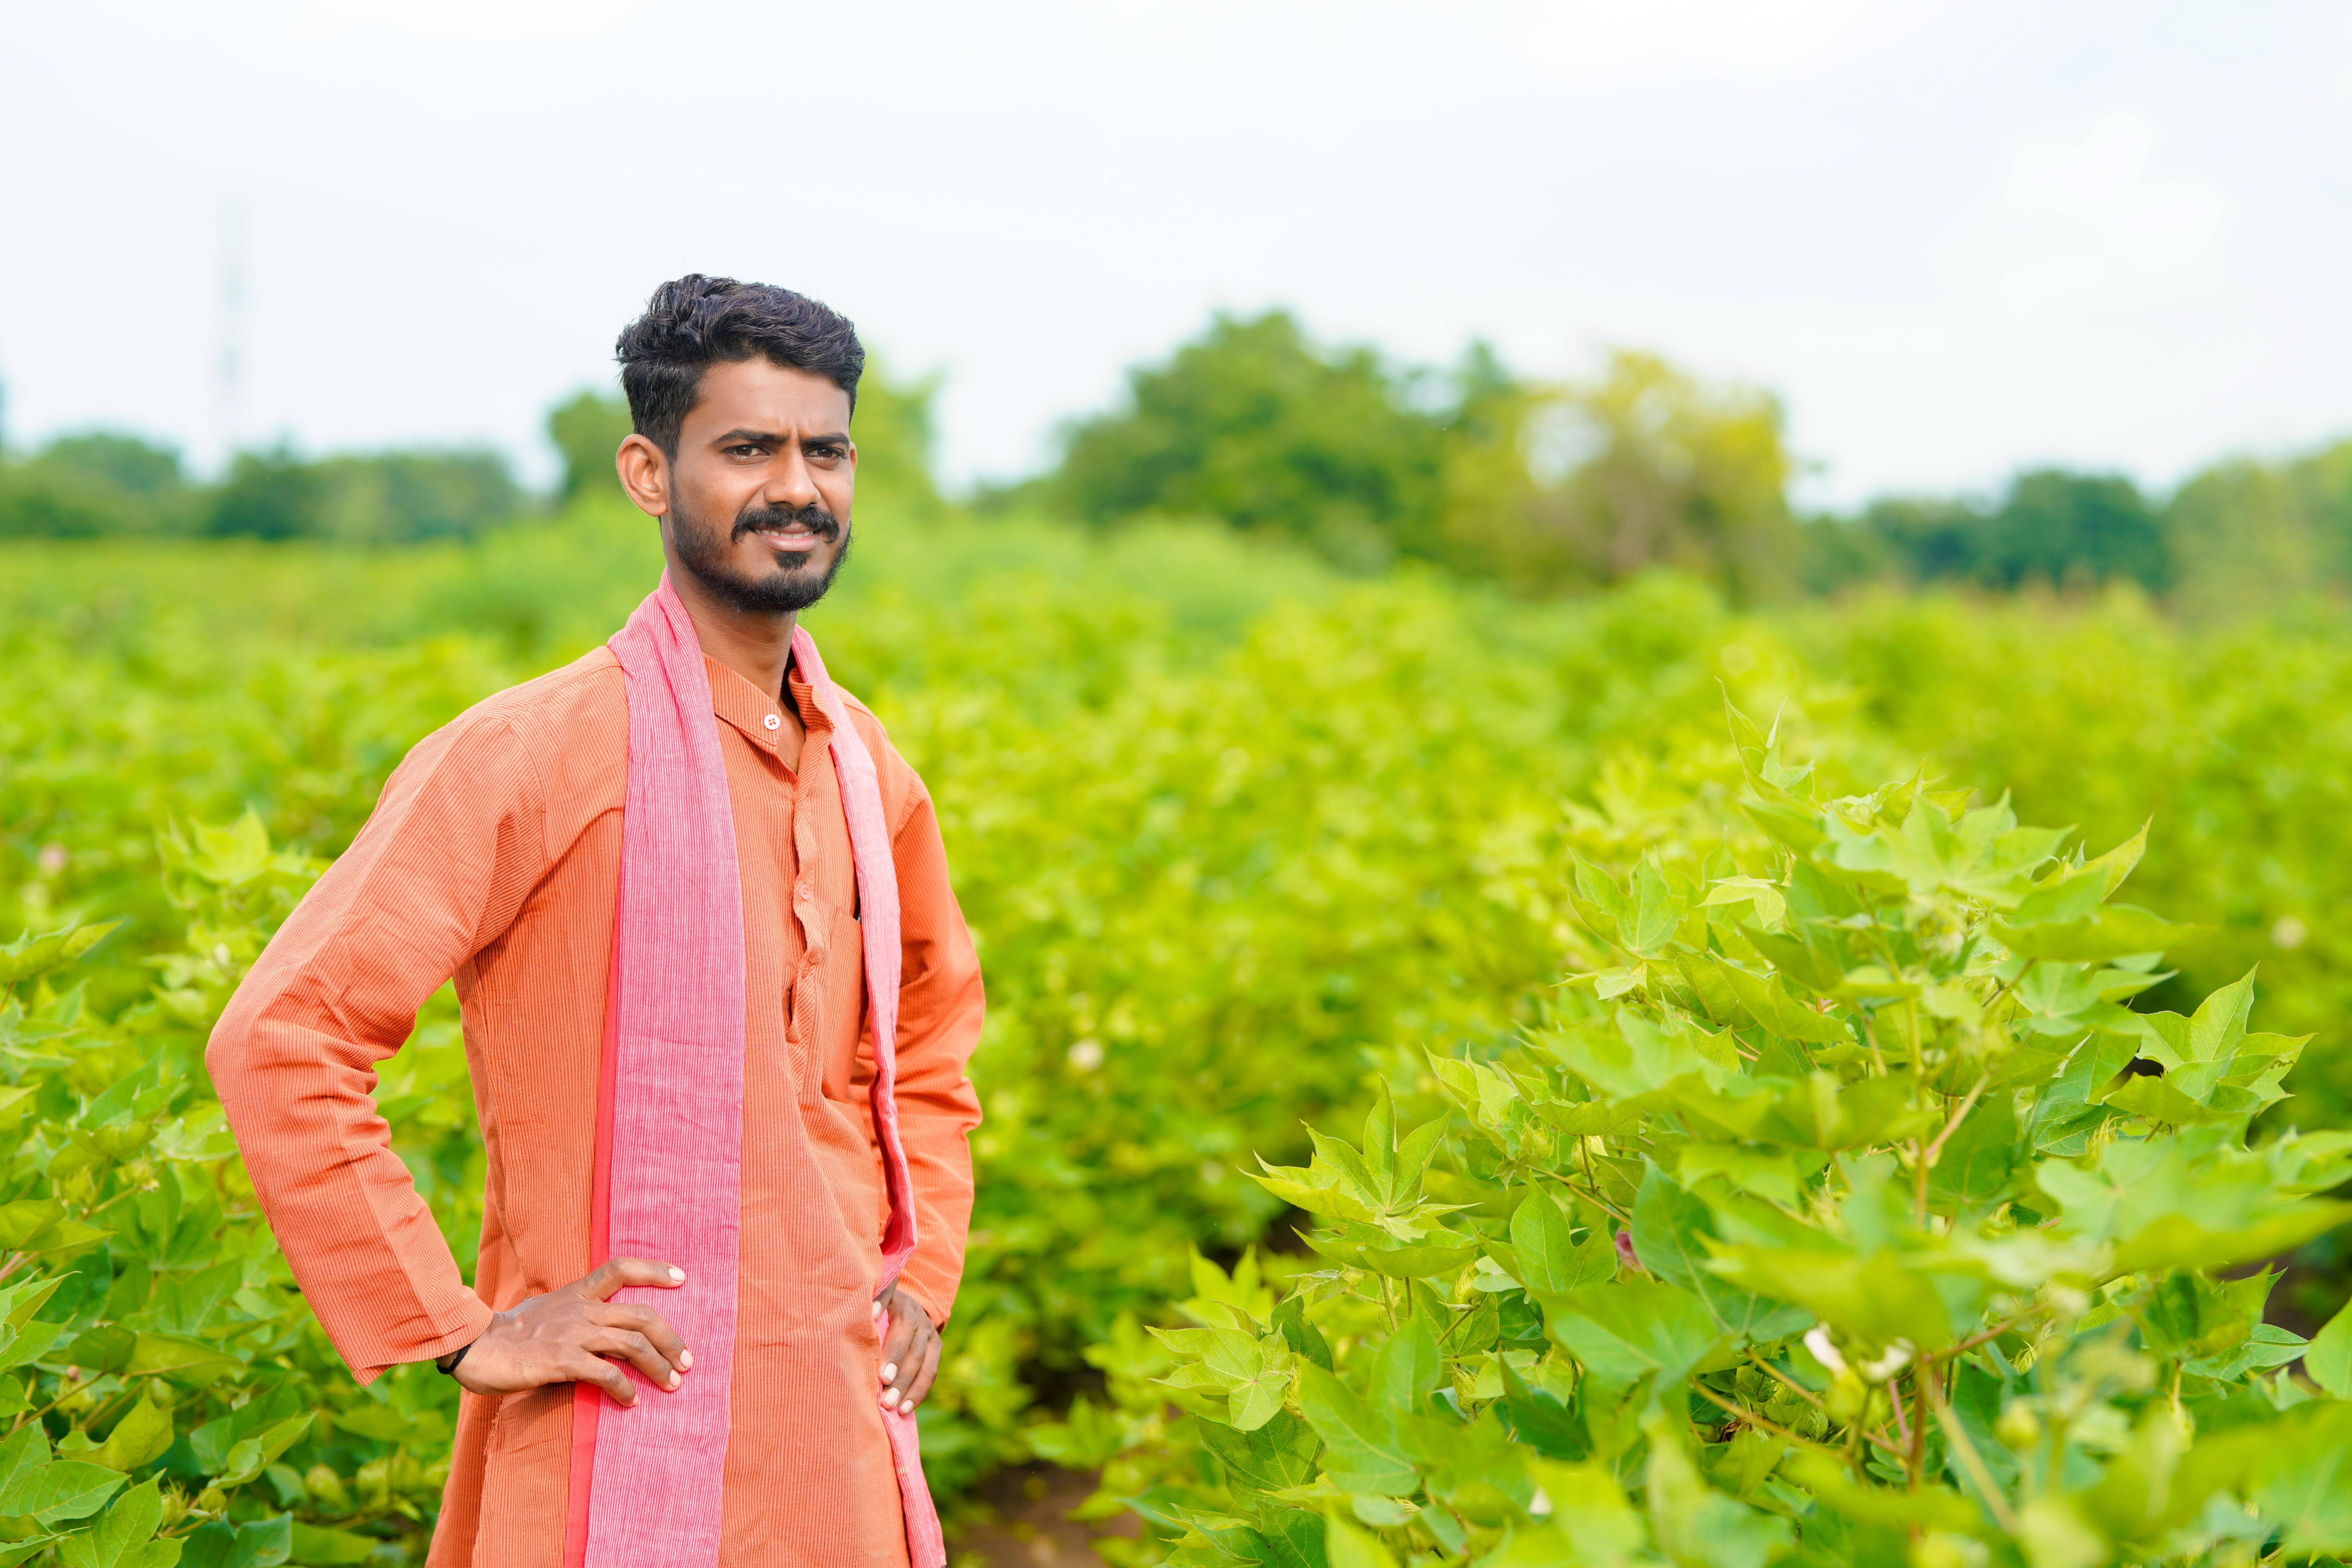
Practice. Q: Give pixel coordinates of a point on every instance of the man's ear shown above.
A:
(644, 468)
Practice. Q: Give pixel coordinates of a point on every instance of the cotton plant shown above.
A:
(1844, 1209)
(164, 1395)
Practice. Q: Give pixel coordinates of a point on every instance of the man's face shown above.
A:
(759, 491)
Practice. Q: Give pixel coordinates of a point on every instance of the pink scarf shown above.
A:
(647, 1479)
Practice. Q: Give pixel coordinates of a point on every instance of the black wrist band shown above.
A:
(448, 1363)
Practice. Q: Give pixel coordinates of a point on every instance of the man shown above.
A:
(663, 879)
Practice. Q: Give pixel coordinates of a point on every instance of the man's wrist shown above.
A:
(448, 1363)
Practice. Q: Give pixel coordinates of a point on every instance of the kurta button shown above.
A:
(773, 722)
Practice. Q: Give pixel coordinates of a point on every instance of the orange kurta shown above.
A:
(493, 858)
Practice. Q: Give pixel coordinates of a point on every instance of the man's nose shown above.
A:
(789, 485)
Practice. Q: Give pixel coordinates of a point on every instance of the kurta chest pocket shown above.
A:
(846, 1057)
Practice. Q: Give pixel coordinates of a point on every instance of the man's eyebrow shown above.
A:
(769, 437)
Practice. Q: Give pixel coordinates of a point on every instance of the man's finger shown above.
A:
(896, 1344)
(898, 1375)
(623, 1272)
(648, 1323)
(586, 1368)
(924, 1378)
(637, 1349)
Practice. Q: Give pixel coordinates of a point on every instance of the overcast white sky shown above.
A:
(1956, 238)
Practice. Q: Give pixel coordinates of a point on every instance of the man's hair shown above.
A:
(695, 321)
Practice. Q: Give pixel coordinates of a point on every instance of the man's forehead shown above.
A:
(761, 394)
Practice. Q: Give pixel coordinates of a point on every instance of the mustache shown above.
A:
(811, 517)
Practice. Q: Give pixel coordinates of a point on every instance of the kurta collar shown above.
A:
(755, 714)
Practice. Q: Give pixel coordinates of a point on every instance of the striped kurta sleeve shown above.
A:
(438, 873)
(940, 1008)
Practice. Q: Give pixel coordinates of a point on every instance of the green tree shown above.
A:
(406, 497)
(587, 430)
(1257, 424)
(267, 494)
(2243, 535)
(126, 464)
(92, 484)
(383, 497)
(2054, 525)
(1644, 467)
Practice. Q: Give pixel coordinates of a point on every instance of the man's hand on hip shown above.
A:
(566, 1335)
(910, 1350)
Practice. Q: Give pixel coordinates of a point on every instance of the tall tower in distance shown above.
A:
(229, 392)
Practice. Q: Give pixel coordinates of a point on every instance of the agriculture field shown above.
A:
(1237, 835)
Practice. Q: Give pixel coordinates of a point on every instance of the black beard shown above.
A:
(792, 588)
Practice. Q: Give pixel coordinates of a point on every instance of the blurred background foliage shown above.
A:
(1259, 725)
(1543, 487)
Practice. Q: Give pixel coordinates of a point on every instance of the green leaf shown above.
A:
(247, 1458)
(1361, 1246)
(316, 1548)
(1982, 1158)
(1406, 1368)
(1277, 1454)
(2117, 930)
(174, 1356)
(1538, 1420)
(1544, 1243)
(19, 1301)
(1877, 1300)
(29, 1343)
(1304, 1338)
(1669, 1225)
(1623, 1332)
(26, 1218)
(67, 1488)
(261, 1544)
(1769, 1003)
(1362, 1449)
(121, 1537)
(2181, 1241)
(23, 1457)
(29, 956)
(1655, 910)
(139, 1437)
(2328, 1357)
(1257, 1397)
(2306, 1484)
(1767, 1175)
(1345, 1546)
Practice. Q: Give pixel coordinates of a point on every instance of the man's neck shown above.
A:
(756, 646)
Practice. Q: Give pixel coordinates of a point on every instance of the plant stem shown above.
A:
(1600, 1202)
(1965, 1452)
(1764, 1424)
(1967, 1102)
(1921, 1376)
(1798, 1388)
(1973, 1340)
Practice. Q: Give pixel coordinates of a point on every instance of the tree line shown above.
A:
(1549, 486)
(110, 484)
(105, 484)
(1545, 487)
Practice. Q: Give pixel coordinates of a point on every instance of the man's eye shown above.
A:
(745, 451)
